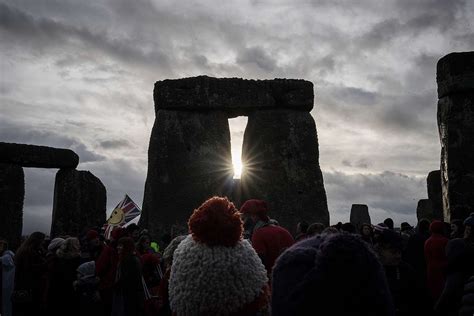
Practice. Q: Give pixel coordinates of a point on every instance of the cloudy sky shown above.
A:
(80, 75)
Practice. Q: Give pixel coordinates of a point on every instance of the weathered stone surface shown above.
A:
(455, 74)
(237, 96)
(37, 156)
(79, 202)
(359, 215)
(189, 160)
(433, 182)
(281, 159)
(424, 210)
(12, 194)
(456, 129)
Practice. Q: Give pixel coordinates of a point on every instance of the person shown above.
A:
(301, 231)
(144, 245)
(268, 240)
(331, 274)
(129, 292)
(460, 254)
(457, 229)
(414, 253)
(348, 228)
(389, 223)
(315, 229)
(215, 271)
(86, 288)
(106, 269)
(436, 261)
(60, 294)
(7, 277)
(133, 231)
(30, 277)
(366, 233)
(92, 246)
(467, 305)
(406, 231)
(407, 288)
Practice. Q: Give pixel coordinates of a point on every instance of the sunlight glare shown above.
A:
(237, 127)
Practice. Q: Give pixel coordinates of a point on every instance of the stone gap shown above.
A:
(237, 127)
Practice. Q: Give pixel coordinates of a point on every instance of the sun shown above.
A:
(238, 167)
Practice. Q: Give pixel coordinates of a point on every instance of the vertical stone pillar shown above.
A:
(455, 77)
(424, 210)
(281, 158)
(435, 193)
(12, 194)
(359, 215)
(79, 202)
(189, 160)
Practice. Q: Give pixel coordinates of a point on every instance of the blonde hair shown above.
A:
(70, 248)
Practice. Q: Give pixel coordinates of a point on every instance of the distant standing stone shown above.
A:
(424, 210)
(359, 215)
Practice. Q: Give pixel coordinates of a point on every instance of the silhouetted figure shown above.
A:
(408, 291)
(467, 306)
(460, 253)
(389, 223)
(86, 288)
(336, 274)
(30, 277)
(367, 233)
(301, 230)
(348, 228)
(436, 261)
(315, 229)
(268, 240)
(129, 295)
(457, 229)
(414, 254)
(7, 278)
(61, 295)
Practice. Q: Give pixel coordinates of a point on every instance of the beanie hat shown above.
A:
(92, 234)
(87, 269)
(336, 274)
(214, 271)
(55, 244)
(256, 207)
(470, 220)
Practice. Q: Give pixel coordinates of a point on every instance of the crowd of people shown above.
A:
(242, 262)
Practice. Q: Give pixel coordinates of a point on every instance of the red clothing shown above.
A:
(436, 262)
(106, 267)
(269, 242)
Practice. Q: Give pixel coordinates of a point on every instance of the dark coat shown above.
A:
(129, 286)
(61, 295)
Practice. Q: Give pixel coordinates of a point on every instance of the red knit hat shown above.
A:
(255, 207)
(216, 223)
(437, 227)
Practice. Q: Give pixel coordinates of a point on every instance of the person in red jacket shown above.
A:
(436, 260)
(268, 240)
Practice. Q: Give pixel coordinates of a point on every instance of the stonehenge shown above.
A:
(424, 210)
(455, 78)
(79, 197)
(359, 215)
(189, 156)
(433, 182)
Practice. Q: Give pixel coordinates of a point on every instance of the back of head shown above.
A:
(334, 274)
(29, 246)
(437, 227)
(257, 208)
(315, 229)
(389, 223)
(69, 249)
(423, 226)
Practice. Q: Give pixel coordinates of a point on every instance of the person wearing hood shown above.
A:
(460, 255)
(7, 277)
(61, 295)
(330, 274)
(268, 240)
(436, 261)
(86, 288)
(215, 271)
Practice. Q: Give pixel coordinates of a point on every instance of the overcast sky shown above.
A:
(80, 75)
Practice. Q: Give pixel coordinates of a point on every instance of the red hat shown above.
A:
(118, 233)
(255, 207)
(216, 223)
(92, 234)
(437, 227)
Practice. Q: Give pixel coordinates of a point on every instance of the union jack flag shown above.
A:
(123, 213)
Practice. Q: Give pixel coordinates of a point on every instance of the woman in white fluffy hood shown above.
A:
(214, 271)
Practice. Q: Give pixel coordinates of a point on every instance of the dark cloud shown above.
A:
(116, 143)
(257, 56)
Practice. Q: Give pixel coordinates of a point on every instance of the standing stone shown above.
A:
(79, 202)
(435, 193)
(37, 156)
(280, 154)
(189, 160)
(12, 194)
(359, 215)
(424, 210)
(455, 77)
